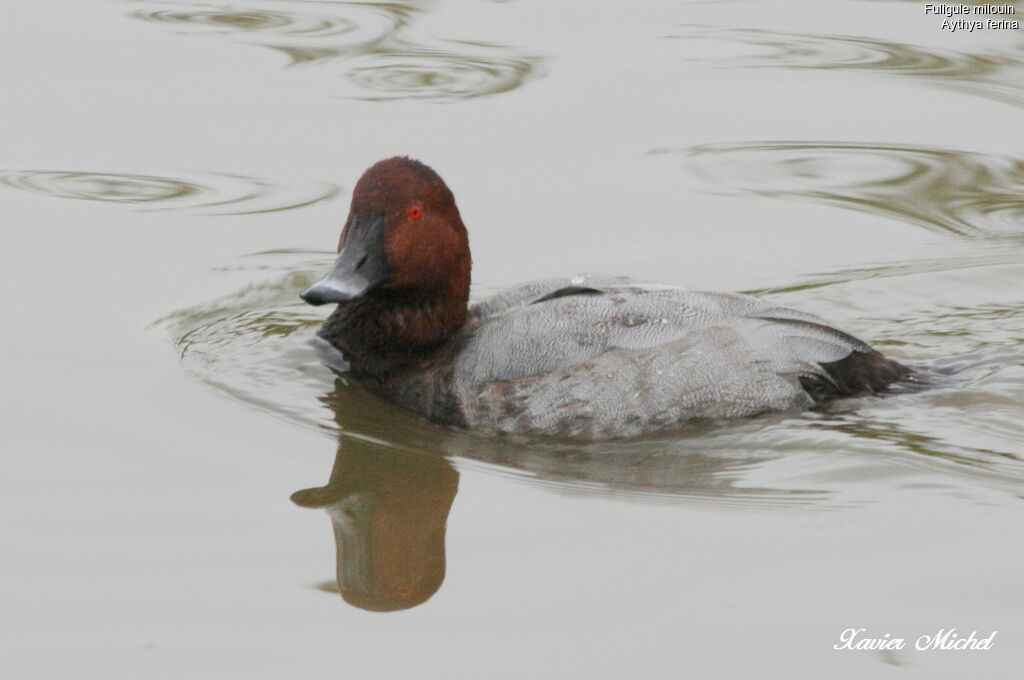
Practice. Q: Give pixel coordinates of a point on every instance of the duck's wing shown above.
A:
(549, 327)
(541, 291)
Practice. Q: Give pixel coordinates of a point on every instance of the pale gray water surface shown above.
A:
(174, 172)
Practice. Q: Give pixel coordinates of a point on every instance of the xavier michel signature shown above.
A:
(944, 639)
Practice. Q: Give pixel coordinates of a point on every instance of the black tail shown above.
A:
(857, 374)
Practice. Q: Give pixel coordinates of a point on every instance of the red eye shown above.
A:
(415, 211)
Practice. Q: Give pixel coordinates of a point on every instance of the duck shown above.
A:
(579, 358)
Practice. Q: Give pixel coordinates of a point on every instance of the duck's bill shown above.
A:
(361, 264)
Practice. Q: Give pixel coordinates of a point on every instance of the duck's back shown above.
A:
(595, 358)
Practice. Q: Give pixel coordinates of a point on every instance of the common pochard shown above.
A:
(582, 357)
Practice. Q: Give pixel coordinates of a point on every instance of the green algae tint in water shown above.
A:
(190, 488)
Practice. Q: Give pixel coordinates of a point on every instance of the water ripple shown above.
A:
(943, 190)
(311, 33)
(202, 193)
(267, 23)
(995, 75)
(252, 345)
(411, 72)
(366, 51)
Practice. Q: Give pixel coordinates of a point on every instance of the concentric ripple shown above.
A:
(266, 23)
(305, 31)
(998, 76)
(408, 72)
(205, 193)
(356, 50)
(957, 192)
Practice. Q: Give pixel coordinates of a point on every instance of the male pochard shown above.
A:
(584, 358)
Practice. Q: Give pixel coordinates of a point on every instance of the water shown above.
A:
(189, 488)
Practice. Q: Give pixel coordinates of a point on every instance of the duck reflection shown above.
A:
(389, 510)
(392, 487)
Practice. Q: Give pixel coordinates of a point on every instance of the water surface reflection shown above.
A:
(995, 75)
(389, 510)
(943, 190)
(356, 50)
(306, 31)
(208, 193)
(392, 486)
(394, 477)
(410, 71)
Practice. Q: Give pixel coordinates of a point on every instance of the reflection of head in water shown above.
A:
(389, 507)
(389, 511)
(391, 488)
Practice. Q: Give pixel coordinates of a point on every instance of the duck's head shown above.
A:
(403, 251)
(403, 234)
